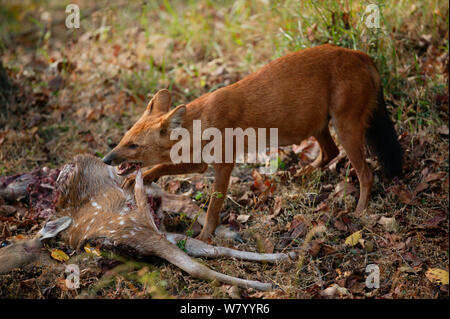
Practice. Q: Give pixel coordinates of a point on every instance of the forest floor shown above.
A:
(78, 91)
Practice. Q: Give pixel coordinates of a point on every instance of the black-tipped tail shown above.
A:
(382, 139)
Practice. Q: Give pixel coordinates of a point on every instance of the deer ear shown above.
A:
(160, 102)
(52, 228)
(175, 118)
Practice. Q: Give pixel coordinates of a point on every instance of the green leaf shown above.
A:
(198, 196)
(182, 244)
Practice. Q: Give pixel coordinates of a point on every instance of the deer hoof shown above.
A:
(226, 233)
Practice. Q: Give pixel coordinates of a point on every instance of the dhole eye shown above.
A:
(133, 146)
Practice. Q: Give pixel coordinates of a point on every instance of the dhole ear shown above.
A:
(160, 102)
(175, 118)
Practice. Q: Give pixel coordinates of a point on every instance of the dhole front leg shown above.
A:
(221, 180)
(159, 170)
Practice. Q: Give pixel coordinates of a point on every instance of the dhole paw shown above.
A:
(304, 171)
(204, 237)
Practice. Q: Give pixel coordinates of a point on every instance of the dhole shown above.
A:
(298, 94)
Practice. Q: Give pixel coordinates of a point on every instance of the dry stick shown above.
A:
(230, 198)
(291, 243)
(183, 241)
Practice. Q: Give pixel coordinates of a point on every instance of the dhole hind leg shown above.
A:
(353, 140)
(222, 174)
(328, 148)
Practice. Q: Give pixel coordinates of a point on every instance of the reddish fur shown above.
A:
(297, 93)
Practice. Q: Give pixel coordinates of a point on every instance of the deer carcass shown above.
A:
(104, 214)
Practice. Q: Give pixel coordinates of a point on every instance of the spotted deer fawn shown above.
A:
(93, 208)
(297, 94)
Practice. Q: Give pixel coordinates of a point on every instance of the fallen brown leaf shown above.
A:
(389, 223)
(173, 186)
(435, 176)
(277, 207)
(413, 259)
(434, 221)
(443, 130)
(344, 189)
(405, 196)
(308, 149)
(315, 247)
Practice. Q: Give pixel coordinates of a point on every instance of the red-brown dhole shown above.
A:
(298, 94)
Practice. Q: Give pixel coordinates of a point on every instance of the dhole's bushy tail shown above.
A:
(382, 138)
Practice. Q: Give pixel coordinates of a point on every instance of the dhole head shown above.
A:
(148, 142)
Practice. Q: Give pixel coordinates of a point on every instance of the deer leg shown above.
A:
(141, 200)
(197, 248)
(26, 251)
(180, 259)
(18, 255)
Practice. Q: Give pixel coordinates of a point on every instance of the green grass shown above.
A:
(250, 33)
